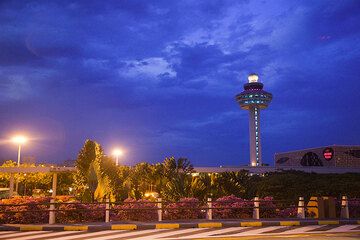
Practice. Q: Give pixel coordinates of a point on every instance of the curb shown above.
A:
(142, 226)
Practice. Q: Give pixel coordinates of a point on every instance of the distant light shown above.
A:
(253, 78)
(195, 174)
(19, 139)
(118, 152)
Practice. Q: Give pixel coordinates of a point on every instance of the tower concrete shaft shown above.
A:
(254, 135)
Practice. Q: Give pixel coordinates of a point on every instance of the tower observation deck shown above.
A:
(253, 99)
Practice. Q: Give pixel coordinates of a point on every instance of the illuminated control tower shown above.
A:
(254, 98)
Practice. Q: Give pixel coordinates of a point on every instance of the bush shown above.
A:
(354, 207)
(75, 212)
(186, 208)
(268, 208)
(32, 213)
(232, 207)
(129, 210)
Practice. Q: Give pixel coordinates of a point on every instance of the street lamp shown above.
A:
(117, 153)
(19, 140)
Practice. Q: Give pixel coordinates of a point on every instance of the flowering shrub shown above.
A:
(130, 210)
(354, 207)
(289, 212)
(36, 210)
(79, 212)
(186, 208)
(232, 207)
(31, 213)
(268, 209)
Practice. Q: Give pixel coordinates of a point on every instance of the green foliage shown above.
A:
(98, 177)
(292, 184)
(88, 179)
(27, 181)
(179, 179)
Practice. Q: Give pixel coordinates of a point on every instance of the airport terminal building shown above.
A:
(328, 157)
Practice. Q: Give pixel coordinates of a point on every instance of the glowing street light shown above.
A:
(117, 153)
(19, 140)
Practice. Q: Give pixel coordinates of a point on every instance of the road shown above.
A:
(232, 233)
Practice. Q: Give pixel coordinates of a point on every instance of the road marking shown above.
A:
(166, 235)
(328, 222)
(167, 225)
(343, 228)
(7, 232)
(210, 225)
(190, 232)
(214, 232)
(279, 230)
(258, 231)
(31, 228)
(89, 235)
(75, 228)
(124, 227)
(289, 223)
(237, 230)
(48, 234)
(303, 229)
(251, 224)
(131, 234)
(19, 234)
(324, 228)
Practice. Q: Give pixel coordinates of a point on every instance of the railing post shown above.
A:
(301, 208)
(256, 211)
(107, 210)
(52, 211)
(344, 207)
(159, 211)
(11, 187)
(209, 210)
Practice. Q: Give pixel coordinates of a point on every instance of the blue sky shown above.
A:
(159, 77)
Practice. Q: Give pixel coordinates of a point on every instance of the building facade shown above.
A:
(327, 156)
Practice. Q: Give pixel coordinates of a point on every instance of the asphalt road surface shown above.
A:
(231, 233)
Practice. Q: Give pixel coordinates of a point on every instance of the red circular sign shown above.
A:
(328, 153)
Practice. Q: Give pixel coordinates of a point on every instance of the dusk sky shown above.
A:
(159, 78)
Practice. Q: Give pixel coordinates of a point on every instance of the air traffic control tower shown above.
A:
(254, 98)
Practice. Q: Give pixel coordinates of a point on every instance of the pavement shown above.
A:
(314, 232)
(174, 225)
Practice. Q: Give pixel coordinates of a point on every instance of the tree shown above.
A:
(233, 183)
(179, 179)
(88, 175)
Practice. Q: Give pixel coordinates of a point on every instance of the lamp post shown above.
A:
(19, 140)
(117, 153)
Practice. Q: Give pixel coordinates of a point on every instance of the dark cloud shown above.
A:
(160, 78)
